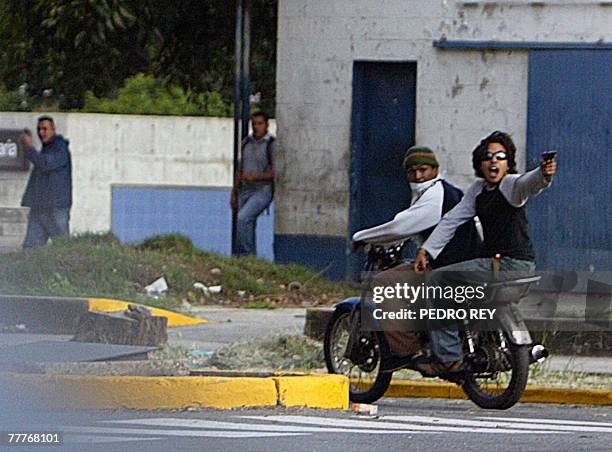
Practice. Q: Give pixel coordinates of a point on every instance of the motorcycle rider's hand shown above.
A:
(420, 261)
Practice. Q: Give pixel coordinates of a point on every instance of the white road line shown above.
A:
(218, 425)
(72, 438)
(559, 425)
(378, 425)
(185, 433)
(470, 423)
(550, 421)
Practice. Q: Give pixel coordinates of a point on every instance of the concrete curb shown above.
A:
(174, 318)
(165, 393)
(533, 394)
(61, 315)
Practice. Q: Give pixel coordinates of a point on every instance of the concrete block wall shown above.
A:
(12, 228)
(461, 95)
(125, 149)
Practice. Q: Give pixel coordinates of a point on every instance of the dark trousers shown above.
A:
(46, 224)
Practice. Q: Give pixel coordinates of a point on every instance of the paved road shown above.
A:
(404, 424)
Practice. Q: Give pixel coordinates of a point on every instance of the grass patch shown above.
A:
(260, 304)
(283, 352)
(98, 265)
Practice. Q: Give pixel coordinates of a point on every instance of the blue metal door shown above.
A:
(382, 128)
(570, 109)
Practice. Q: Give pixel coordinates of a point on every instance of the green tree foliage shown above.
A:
(142, 94)
(75, 46)
(68, 46)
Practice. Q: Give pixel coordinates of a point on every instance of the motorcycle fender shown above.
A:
(348, 302)
(513, 324)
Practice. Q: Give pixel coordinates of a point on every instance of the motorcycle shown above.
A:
(496, 361)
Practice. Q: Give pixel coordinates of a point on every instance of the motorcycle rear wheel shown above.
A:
(502, 389)
(367, 382)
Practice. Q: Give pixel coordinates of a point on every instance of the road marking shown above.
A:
(470, 423)
(218, 425)
(381, 425)
(72, 438)
(559, 425)
(289, 426)
(550, 421)
(162, 432)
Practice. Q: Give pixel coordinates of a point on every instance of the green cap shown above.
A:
(419, 155)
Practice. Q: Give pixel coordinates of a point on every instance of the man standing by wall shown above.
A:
(254, 183)
(49, 190)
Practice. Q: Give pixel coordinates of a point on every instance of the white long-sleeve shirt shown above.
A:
(514, 187)
(424, 212)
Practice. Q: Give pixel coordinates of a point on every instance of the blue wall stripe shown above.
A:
(520, 45)
(202, 214)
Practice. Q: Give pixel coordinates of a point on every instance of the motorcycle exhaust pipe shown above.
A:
(538, 354)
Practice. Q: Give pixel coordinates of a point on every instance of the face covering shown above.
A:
(417, 187)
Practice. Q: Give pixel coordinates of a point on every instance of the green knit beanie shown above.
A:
(419, 155)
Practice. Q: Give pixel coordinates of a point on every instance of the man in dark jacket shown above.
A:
(49, 190)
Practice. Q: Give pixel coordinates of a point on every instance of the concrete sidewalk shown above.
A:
(587, 364)
(228, 325)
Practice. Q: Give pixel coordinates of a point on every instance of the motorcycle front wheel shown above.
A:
(503, 383)
(367, 382)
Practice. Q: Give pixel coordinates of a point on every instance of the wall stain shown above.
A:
(457, 88)
(483, 84)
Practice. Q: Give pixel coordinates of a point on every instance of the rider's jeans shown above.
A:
(444, 337)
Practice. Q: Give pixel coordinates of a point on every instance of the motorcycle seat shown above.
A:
(509, 291)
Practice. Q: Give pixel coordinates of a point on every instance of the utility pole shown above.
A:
(242, 91)
(246, 68)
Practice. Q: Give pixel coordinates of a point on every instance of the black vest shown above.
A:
(466, 243)
(504, 226)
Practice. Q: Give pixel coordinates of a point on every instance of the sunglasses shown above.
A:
(501, 155)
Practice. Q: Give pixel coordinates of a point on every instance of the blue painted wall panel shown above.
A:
(201, 214)
(570, 109)
(321, 253)
(382, 128)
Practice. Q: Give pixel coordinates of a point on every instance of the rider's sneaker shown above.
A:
(435, 368)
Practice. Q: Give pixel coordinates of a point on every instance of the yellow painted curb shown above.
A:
(174, 318)
(533, 394)
(164, 393)
(313, 391)
(539, 394)
(407, 388)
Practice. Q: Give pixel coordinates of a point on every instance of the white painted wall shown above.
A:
(461, 95)
(129, 149)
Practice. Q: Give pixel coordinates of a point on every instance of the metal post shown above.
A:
(237, 108)
(246, 70)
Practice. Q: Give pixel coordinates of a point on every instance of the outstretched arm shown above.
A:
(517, 189)
(422, 215)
